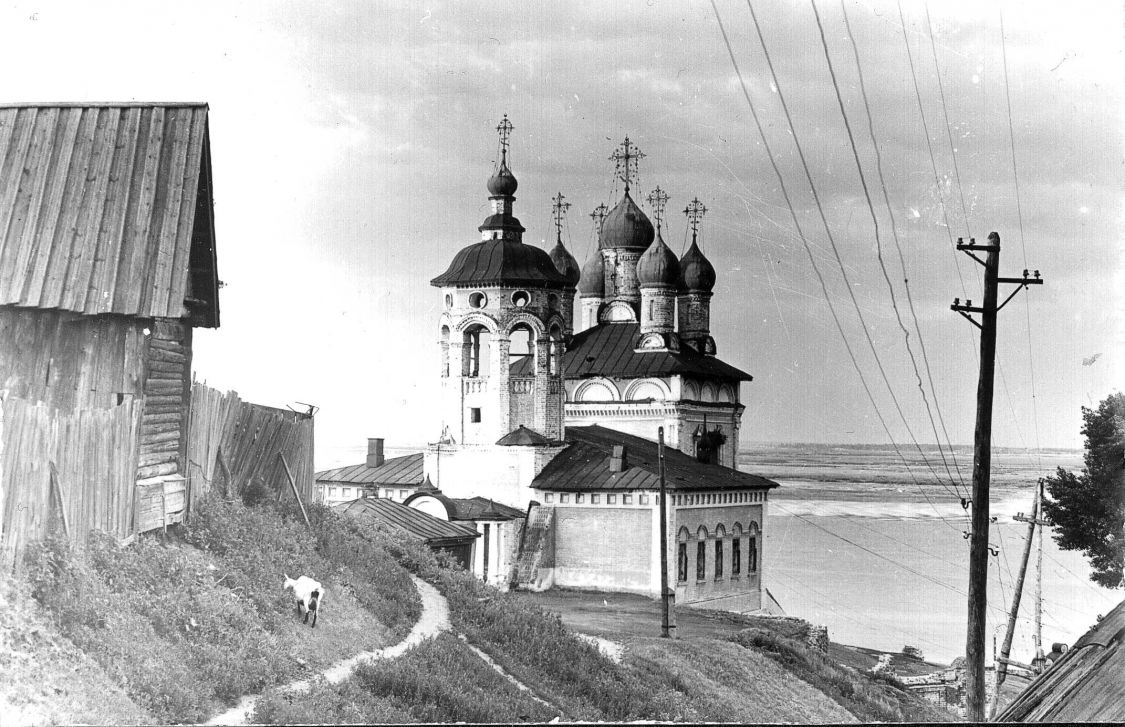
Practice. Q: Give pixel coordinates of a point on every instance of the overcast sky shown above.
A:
(351, 143)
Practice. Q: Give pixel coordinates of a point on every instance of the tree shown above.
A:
(1088, 509)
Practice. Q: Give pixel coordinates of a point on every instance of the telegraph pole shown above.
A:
(667, 621)
(1039, 658)
(1017, 595)
(982, 462)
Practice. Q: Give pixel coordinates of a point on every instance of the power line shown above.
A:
(901, 259)
(878, 239)
(808, 251)
(945, 111)
(1023, 242)
(832, 240)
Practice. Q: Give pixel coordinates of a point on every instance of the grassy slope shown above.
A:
(47, 679)
(185, 627)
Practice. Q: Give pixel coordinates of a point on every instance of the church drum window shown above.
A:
(736, 557)
(718, 559)
(681, 562)
(701, 561)
(753, 555)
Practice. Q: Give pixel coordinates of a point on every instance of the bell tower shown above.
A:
(507, 313)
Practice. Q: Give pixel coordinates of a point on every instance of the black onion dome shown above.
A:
(626, 226)
(566, 264)
(696, 271)
(503, 183)
(592, 284)
(658, 265)
(502, 262)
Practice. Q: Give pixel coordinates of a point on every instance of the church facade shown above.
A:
(554, 381)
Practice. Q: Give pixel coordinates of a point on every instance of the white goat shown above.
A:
(310, 595)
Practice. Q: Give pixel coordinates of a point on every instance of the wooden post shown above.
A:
(1038, 663)
(666, 594)
(1017, 594)
(292, 484)
(228, 478)
(56, 490)
(982, 462)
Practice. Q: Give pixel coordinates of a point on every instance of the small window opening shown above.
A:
(474, 414)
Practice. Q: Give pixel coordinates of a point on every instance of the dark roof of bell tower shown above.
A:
(502, 262)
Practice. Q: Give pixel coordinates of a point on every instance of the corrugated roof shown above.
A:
(608, 349)
(107, 209)
(584, 465)
(411, 522)
(1086, 685)
(405, 470)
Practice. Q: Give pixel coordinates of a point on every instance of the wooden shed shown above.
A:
(107, 263)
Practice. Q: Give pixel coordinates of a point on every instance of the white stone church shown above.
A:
(551, 409)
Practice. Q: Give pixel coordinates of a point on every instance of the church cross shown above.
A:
(695, 211)
(625, 157)
(598, 216)
(658, 200)
(505, 130)
(560, 209)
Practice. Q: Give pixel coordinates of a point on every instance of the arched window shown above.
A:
(752, 556)
(701, 554)
(554, 353)
(445, 350)
(521, 346)
(736, 550)
(720, 538)
(681, 555)
(476, 347)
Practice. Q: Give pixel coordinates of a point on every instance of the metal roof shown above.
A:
(1086, 685)
(107, 209)
(482, 508)
(608, 349)
(502, 262)
(405, 470)
(584, 465)
(522, 436)
(407, 520)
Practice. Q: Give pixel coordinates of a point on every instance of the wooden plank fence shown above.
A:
(249, 439)
(93, 453)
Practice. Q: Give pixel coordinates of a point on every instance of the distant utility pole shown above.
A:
(667, 621)
(982, 462)
(1006, 650)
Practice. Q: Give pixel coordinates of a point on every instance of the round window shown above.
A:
(478, 299)
(521, 298)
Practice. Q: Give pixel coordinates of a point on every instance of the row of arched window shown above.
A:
(476, 347)
(742, 550)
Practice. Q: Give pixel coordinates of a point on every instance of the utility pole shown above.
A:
(1017, 594)
(1039, 658)
(982, 462)
(668, 618)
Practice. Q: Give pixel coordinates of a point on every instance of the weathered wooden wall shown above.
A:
(93, 451)
(250, 437)
(167, 397)
(71, 362)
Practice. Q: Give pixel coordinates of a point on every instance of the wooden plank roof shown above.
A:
(1086, 685)
(106, 208)
(584, 465)
(406, 470)
(608, 349)
(408, 521)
